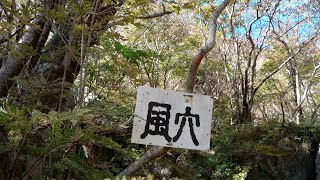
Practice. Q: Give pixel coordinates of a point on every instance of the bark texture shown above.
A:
(55, 64)
(13, 65)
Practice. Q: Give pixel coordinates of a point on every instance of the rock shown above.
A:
(298, 165)
(317, 164)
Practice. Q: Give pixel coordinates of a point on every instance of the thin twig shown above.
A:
(18, 154)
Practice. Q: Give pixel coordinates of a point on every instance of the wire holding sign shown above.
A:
(174, 119)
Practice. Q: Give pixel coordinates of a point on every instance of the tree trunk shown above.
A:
(56, 65)
(12, 66)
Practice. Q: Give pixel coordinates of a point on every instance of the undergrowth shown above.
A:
(94, 143)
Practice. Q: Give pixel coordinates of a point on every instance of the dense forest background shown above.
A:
(69, 71)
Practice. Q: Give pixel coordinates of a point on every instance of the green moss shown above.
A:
(272, 151)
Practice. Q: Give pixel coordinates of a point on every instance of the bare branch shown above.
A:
(197, 58)
(152, 153)
(305, 94)
(155, 15)
(273, 73)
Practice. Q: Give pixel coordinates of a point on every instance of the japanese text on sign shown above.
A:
(173, 119)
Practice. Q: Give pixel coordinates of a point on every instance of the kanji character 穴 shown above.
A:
(189, 116)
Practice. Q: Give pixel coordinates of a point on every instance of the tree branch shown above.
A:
(152, 153)
(164, 12)
(155, 15)
(305, 94)
(271, 74)
(197, 58)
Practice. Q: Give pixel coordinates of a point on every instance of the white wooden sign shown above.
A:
(172, 119)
